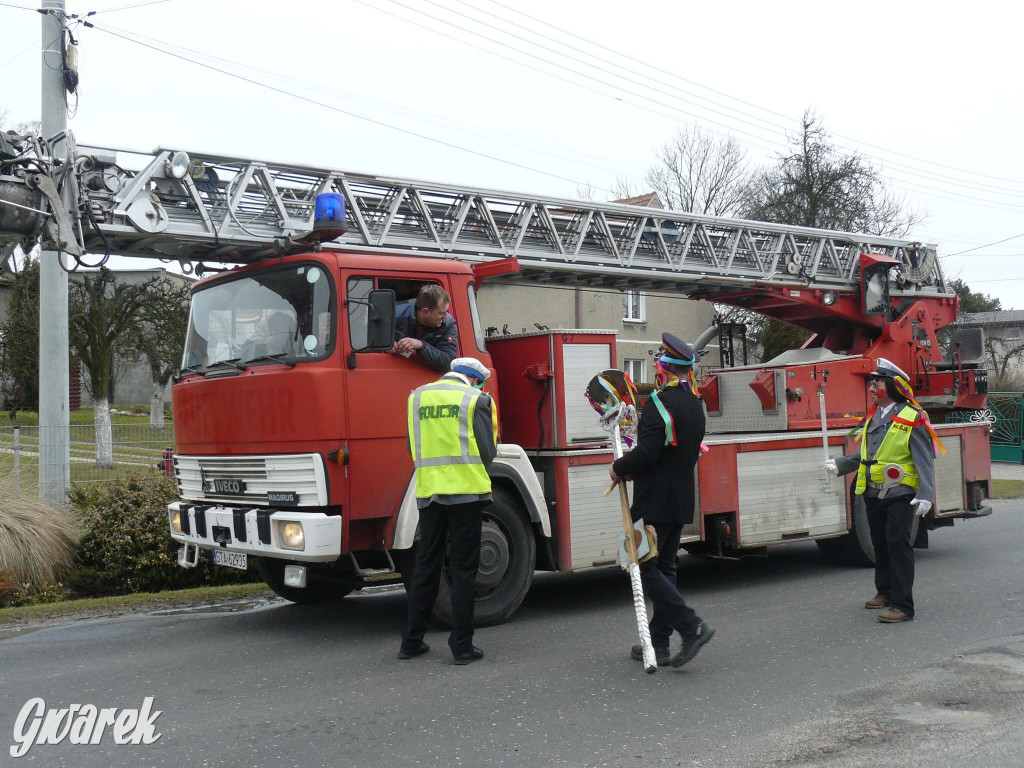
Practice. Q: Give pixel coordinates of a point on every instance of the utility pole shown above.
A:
(54, 362)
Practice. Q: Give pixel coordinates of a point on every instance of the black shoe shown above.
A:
(410, 650)
(468, 657)
(693, 643)
(662, 655)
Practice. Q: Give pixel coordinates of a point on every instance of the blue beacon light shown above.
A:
(329, 215)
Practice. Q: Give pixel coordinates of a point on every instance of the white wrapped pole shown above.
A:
(824, 436)
(639, 604)
(824, 425)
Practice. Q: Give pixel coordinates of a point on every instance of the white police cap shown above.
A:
(470, 366)
(889, 370)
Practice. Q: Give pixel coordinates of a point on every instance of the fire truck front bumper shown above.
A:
(233, 533)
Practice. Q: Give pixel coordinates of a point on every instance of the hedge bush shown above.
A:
(126, 544)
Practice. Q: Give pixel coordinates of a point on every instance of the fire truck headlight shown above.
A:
(828, 298)
(290, 535)
(176, 522)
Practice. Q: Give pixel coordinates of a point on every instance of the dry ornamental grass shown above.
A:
(37, 542)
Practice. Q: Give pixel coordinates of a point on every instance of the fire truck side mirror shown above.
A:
(380, 330)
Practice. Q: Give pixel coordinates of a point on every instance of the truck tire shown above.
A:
(855, 548)
(271, 570)
(508, 556)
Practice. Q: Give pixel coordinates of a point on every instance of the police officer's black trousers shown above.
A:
(891, 521)
(439, 522)
(659, 580)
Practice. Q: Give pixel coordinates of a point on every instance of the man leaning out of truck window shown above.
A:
(426, 329)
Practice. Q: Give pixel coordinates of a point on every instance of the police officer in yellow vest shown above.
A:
(896, 476)
(452, 441)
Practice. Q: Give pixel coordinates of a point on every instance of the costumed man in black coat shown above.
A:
(661, 466)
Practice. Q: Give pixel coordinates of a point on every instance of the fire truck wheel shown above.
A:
(508, 556)
(271, 570)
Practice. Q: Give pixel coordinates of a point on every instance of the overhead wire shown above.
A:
(616, 87)
(987, 245)
(498, 159)
(728, 96)
(26, 49)
(597, 67)
(912, 184)
(481, 131)
(134, 5)
(339, 110)
(889, 174)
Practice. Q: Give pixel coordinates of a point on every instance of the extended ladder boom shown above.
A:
(198, 207)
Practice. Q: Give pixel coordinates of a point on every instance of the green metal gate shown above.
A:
(1005, 412)
(1005, 439)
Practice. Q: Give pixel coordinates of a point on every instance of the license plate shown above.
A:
(227, 485)
(238, 560)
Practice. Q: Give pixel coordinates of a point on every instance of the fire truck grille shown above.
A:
(287, 480)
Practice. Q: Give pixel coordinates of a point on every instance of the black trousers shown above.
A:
(439, 522)
(659, 579)
(890, 522)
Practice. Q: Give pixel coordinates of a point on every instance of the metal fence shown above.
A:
(133, 447)
(1005, 412)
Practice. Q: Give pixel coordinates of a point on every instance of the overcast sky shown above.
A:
(566, 93)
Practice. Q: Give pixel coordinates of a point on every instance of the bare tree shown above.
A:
(700, 173)
(816, 185)
(103, 324)
(162, 339)
(1005, 358)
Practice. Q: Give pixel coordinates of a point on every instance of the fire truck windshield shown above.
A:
(282, 314)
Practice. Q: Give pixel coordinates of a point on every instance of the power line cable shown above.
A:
(931, 190)
(592, 161)
(602, 82)
(986, 245)
(555, 64)
(129, 7)
(347, 112)
(26, 49)
(552, 74)
(741, 101)
(595, 66)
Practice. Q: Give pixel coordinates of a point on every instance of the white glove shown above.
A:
(921, 506)
(831, 468)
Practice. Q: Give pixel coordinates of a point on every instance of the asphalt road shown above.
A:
(798, 674)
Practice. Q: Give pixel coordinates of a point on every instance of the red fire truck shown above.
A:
(290, 419)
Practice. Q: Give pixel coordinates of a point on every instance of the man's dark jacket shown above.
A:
(440, 345)
(663, 476)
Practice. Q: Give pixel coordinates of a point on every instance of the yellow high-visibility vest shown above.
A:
(443, 441)
(895, 449)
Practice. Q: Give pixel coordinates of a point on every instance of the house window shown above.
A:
(633, 306)
(1011, 334)
(637, 370)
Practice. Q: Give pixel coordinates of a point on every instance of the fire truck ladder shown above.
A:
(209, 208)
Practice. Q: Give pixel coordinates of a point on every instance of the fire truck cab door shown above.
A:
(377, 390)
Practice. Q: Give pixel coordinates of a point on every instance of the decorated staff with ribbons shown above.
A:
(452, 441)
(896, 476)
(661, 466)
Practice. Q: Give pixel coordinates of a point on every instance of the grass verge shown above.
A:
(1007, 489)
(143, 601)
